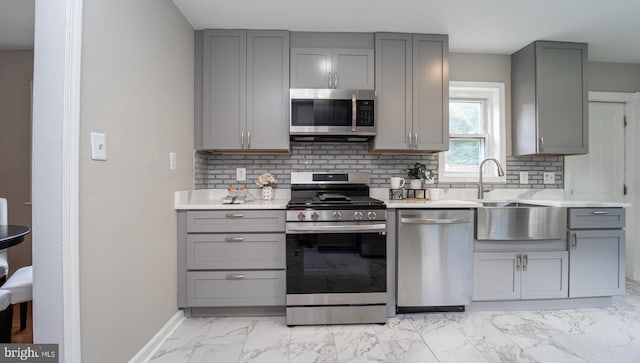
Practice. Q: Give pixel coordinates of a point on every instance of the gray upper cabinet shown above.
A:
(412, 92)
(242, 90)
(332, 68)
(549, 99)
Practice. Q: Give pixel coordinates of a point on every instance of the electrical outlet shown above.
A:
(524, 177)
(172, 161)
(241, 174)
(549, 177)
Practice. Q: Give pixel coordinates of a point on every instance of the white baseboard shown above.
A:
(149, 349)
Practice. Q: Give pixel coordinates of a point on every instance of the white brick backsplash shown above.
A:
(218, 170)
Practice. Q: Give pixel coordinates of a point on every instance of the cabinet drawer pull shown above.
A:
(574, 241)
(234, 215)
(234, 239)
(599, 212)
(235, 276)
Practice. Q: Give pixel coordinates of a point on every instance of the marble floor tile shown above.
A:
(609, 334)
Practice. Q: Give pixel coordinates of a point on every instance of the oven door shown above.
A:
(335, 258)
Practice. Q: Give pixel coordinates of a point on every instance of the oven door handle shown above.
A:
(351, 228)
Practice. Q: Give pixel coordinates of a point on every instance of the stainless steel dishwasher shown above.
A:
(435, 260)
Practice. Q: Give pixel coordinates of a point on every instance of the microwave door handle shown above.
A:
(353, 112)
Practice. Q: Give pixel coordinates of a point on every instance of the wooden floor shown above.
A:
(25, 336)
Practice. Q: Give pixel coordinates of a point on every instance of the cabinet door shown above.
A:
(545, 275)
(596, 263)
(393, 91)
(561, 92)
(430, 92)
(267, 90)
(495, 276)
(311, 68)
(353, 68)
(224, 89)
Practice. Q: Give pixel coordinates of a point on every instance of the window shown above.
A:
(476, 132)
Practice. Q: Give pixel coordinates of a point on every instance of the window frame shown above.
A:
(494, 130)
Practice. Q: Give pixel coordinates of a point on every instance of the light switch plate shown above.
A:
(549, 177)
(98, 146)
(524, 177)
(241, 174)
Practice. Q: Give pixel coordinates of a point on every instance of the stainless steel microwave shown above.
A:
(338, 114)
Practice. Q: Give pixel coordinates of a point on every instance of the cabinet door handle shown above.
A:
(248, 139)
(574, 241)
(329, 80)
(415, 138)
(599, 212)
(234, 215)
(235, 276)
(525, 262)
(242, 140)
(335, 80)
(541, 140)
(409, 141)
(234, 239)
(518, 262)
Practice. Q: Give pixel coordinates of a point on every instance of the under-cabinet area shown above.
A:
(231, 258)
(407, 258)
(589, 262)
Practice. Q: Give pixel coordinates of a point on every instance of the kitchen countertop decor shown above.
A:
(211, 199)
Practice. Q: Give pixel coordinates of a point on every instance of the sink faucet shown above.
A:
(481, 189)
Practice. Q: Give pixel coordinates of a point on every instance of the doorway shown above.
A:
(608, 171)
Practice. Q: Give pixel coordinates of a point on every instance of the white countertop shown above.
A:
(212, 199)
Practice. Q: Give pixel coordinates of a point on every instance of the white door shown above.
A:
(599, 175)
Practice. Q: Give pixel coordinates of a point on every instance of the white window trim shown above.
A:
(494, 92)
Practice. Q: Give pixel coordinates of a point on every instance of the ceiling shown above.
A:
(611, 28)
(16, 24)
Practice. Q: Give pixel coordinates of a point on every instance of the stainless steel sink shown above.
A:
(514, 221)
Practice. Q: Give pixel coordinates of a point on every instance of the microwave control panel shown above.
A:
(364, 116)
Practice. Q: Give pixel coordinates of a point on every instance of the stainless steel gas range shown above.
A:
(336, 251)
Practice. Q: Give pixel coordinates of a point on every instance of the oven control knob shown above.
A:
(357, 215)
(315, 216)
(301, 216)
(371, 215)
(337, 215)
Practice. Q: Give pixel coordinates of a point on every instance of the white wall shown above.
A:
(137, 88)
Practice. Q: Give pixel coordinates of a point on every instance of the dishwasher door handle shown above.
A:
(435, 220)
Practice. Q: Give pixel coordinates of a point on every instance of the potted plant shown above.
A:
(417, 174)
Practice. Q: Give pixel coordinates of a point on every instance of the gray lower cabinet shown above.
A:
(332, 68)
(412, 92)
(231, 258)
(549, 99)
(242, 90)
(520, 275)
(596, 252)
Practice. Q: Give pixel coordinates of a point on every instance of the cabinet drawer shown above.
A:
(235, 221)
(235, 251)
(594, 218)
(235, 288)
